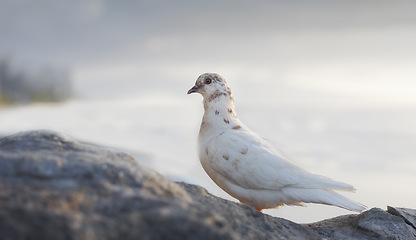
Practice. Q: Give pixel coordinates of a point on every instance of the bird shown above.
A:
(250, 168)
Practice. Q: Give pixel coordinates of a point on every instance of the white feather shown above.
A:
(250, 168)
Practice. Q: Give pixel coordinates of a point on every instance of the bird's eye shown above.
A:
(208, 81)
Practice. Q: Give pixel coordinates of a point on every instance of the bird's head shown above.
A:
(211, 86)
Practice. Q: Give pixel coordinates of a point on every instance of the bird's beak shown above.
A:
(193, 89)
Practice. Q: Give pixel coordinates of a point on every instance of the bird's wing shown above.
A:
(251, 162)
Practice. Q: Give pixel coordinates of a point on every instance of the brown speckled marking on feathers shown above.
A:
(235, 164)
(226, 121)
(217, 79)
(236, 127)
(229, 91)
(244, 151)
(216, 95)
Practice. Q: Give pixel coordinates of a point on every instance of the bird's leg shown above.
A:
(259, 209)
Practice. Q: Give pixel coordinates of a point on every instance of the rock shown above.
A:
(54, 187)
(408, 215)
(372, 224)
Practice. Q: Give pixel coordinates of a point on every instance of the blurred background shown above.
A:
(331, 83)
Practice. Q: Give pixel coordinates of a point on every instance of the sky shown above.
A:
(329, 82)
(297, 42)
(271, 33)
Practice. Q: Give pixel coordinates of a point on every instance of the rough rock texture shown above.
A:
(53, 187)
(372, 224)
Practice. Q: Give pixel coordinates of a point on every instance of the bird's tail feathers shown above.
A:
(323, 196)
(322, 182)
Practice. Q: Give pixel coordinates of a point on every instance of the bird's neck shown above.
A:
(219, 116)
(221, 109)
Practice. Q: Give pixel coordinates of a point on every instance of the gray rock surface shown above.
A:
(53, 187)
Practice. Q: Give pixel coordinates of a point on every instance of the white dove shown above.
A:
(248, 167)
